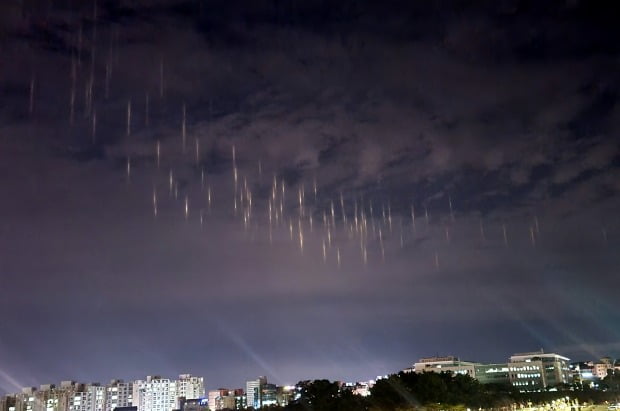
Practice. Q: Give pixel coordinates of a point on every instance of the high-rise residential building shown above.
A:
(253, 392)
(47, 397)
(450, 364)
(163, 394)
(535, 371)
(152, 394)
(190, 387)
(27, 399)
(86, 397)
(155, 394)
(118, 394)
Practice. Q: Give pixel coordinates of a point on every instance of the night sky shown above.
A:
(495, 124)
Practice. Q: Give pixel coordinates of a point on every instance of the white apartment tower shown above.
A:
(155, 394)
(190, 387)
(88, 397)
(118, 394)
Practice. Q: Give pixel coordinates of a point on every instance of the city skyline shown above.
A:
(451, 363)
(302, 188)
(526, 372)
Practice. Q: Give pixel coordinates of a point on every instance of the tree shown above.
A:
(324, 395)
(612, 381)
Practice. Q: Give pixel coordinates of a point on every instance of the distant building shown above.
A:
(536, 371)
(6, 402)
(253, 392)
(222, 399)
(197, 404)
(162, 394)
(214, 398)
(286, 395)
(360, 388)
(582, 373)
(190, 387)
(155, 394)
(85, 397)
(46, 397)
(119, 395)
(601, 368)
(269, 395)
(532, 371)
(450, 364)
(240, 399)
(259, 393)
(492, 373)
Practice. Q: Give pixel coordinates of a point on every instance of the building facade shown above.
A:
(537, 371)
(221, 399)
(118, 394)
(449, 364)
(152, 394)
(531, 371)
(88, 397)
(199, 404)
(603, 367)
(493, 373)
(253, 392)
(190, 387)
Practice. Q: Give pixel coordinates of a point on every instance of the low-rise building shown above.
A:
(537, 371)
(602, 367)
(197, 404)
(582, 373)
(221, 399)
(449, 364)
(360, 388)
(492, 373)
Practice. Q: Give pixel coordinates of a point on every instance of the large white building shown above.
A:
(531, 371)
(535, 371)
(444, 364)
(163, 394)
(190, 387)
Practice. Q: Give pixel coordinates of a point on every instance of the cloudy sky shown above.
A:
(470, 156)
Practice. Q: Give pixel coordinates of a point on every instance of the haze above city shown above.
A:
(304, 189)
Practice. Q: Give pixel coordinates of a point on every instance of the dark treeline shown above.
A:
(436, 391)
